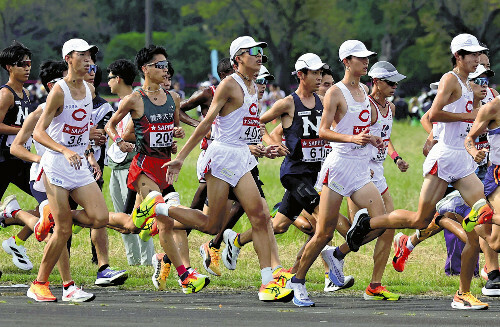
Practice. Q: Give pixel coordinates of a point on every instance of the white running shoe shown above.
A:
(75, 294)
(336, 266)
(18, 253)
(300, 295)
(231, 252)
(450, 203)
(172, 199)
(8, 206)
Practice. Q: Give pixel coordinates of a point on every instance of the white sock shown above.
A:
(409, 245)
(162, 209)
(267, 275)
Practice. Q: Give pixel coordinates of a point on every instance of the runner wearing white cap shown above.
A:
(228, 162)
(447, 162)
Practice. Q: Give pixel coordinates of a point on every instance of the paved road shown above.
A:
(114, 307)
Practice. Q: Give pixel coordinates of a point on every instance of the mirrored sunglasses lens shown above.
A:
(255, 51)
(261, 81)
(25, 63)
(161, 64)
(92, 68)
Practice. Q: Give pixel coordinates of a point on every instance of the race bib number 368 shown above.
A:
(161, 135)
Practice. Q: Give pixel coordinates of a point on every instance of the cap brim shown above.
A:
(434, 86)
(318, 67)
(362, 54)
(395, 78)
(473, 48)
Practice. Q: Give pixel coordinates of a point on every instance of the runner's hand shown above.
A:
(97, 135)
(479, 156)
(257, 150)
(428, 146)
(74, 159)
(361, 138)
(179, 132)
(126, 146)
(402, 165)
(95, 166)
(376, 141)
(282, 150)
(173, 149)
(272, 151)
(174, 167)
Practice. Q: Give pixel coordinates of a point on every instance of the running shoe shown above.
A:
(110, 277)
(331, 287)
(480, 213)
(467, 301)
(273, 292)
(172, 199)
(401, 252)
(18, 253)
(162, 270)
(336, 266)
(75, 229)
(275, 209)
(484, 272)
(423, 234)
(492, 287)
(379, 293)
(76, 294)
(300, 295)
(282, 276)
(41, 293)
(44, 223)
(358, 230)
(231, 251)
(211, 258)
(146, 209)
(8, 206)
(449, 203)
(194, 282)
(150, 230)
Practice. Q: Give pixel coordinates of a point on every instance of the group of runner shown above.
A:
(334, 137)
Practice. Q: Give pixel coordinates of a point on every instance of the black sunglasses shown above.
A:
(111, 77)
(160, 64)
(23, 63)
(391, 84)
(261, 81)
(92, 68)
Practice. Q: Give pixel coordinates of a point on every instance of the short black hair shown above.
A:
(224, 66)
(145, 55)
(13, 54)
(170, 69)
(304, 70)
(51, 69)
(125, 69)
(462, 53)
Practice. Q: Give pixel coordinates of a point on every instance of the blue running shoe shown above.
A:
(110, 277)
(300, 295)
(336, 266)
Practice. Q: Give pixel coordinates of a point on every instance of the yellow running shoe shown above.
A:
(479, 214)
(146, 209)
(379, 293)
(194, 282)
(273, 292)
(467, 301)
(281, 276)
(211, 258)
(41, 292)
(161, 273)
(150, 229)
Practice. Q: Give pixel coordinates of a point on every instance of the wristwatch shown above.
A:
(88, 151)
(118, 140)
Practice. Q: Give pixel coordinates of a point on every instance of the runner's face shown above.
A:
(385, 89)
(479, 91)
(112, 82)
(484, 60)
(168, 84)
(261, 88)
(311, 80)
(21, 73)
(358, 66)
(469, 62)
(80, 61)
(252, 62)
(326, 83)
(156, 75)
(90, 75)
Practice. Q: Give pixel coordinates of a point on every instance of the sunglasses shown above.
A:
(160, 64)
(92, 68)
(112, 77)
(261, 81)
(254, 51)
(391, 84)
(23, 63)
(481, 81)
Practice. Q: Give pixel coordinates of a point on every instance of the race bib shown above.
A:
(483, 144)
(251, 130)
(314, 150)
(73, 135)
(382, 152)
(161, 135)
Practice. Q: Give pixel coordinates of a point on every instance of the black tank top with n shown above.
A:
(302, 139)
(15, 116)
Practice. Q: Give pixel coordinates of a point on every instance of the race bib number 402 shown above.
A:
(251, 130)
(161, 135)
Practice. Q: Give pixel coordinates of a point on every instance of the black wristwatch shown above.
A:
(396, 159)
(89, 151)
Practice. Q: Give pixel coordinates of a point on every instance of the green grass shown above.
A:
(424, 273)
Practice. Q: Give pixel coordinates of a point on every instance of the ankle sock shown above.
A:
(181, 271)
(375, 285)
(18, 241)
(409, 245)
(298, 280)
(338, 254)
(267, 275)
(277, 268)
(66, 286)
(102, 268)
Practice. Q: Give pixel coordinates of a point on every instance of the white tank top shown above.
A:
(382, 128)
(453, 133)
(40, 150)
(494, 141)
(242, 125)
(71, 127)
(489, 96)
(356, 119)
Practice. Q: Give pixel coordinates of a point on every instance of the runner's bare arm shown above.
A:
(6, 102)
(488, 113)
(129, 132)
(130, 104)
(401, 163)
(17, 147)
(279, 109)
(447, 87)
(426, 123)
(275, 138)
(178, 131)
(197, 99)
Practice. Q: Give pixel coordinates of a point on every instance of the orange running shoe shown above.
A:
(467, 301)
(44, 223)
(41, 292)
(401, 252)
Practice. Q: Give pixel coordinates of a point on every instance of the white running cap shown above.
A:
(481, 70)
(466, 42)
(77, 45)
(244, 42)
(354, 48)
(264, 73)
(385, 70)
(310, 61)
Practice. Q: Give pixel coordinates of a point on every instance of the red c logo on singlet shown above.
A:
(82, 116)
(469, 105)
(253, 105)
(362, 113)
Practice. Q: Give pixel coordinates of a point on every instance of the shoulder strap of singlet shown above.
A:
(460, 81)
(239, 80)
(11, 90)
(212, 88)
